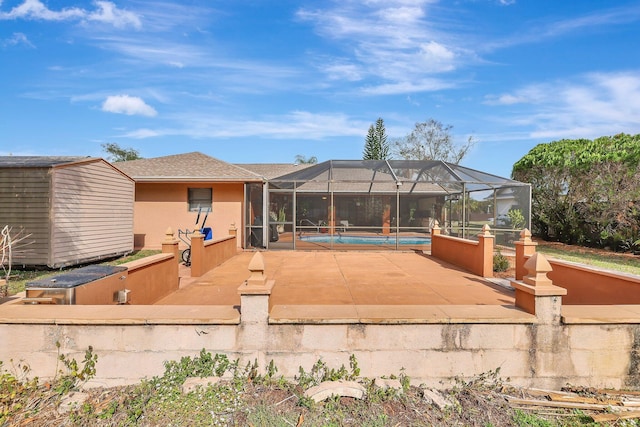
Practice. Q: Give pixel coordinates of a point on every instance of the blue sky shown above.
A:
(263, 81)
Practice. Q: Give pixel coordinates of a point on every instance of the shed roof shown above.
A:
(193, 166)
(41, 161)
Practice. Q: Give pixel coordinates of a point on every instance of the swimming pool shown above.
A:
(367, 240)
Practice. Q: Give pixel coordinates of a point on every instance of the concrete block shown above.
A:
(327, 389)
(491, 337)
(254, 308)
(381, 363)
(447, 364)
(512, 363)
(409, 337)
(253, 337)
(437, 399)
(601, 363)
(324, 337)
(71, 401)
(601, 336)
(285, 337)
(553, 364)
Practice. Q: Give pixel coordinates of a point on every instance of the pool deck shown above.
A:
(327, 287)
(344, 278)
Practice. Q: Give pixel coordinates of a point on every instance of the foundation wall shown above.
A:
(131, 346)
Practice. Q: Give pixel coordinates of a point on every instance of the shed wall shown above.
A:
(24, 207)
(92, 213)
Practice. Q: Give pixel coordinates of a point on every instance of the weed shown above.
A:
(320, 372)
(75, 373)
(14, 390)
(204, 365)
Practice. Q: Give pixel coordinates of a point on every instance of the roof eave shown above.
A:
(193, 179)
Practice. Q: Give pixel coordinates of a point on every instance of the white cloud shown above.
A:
(106, 12)
(142, 134)
(392, 43)
(342, 71)
(17, 39)
(130, 105)
(587, 106)
(295, 125)
(425, 85)
(532, 94)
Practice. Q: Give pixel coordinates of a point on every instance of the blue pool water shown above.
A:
(367, 240)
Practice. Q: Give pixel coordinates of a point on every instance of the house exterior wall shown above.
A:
(159, 206)
(91, 213)
(24, 206)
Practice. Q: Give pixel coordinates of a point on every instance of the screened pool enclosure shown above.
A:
(376, 204)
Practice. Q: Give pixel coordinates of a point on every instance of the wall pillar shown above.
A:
(254, 312)
(536, 293)
(485, 251)
(525, 247)
(386, 216)
(435, 242)
(436, 228)
(197, 254)
(170, 244)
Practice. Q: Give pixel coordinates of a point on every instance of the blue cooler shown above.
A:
(208, 233)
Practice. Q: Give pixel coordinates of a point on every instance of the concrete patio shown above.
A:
(344, 278)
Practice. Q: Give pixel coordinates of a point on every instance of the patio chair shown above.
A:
(344, 224)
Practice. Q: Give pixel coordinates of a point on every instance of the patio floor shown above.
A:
(344, 278)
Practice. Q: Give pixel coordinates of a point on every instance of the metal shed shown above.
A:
(74, 210)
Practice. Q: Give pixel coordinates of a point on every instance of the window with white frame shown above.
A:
(200, 199)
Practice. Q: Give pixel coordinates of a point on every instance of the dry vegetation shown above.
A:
(245, 398)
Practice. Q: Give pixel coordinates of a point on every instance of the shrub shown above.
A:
(500, 262)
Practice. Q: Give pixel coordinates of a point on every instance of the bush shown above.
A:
(500, 262)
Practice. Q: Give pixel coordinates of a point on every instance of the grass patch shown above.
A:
(133, 256)
(602, 259)
(20, 276)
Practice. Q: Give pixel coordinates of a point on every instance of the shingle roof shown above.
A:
(185, 167)
(273, 170)
(40, 161)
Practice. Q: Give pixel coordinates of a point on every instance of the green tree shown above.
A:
(584, 192)
(431, 140)
(300, 159)
(119, 154)
(376, 146)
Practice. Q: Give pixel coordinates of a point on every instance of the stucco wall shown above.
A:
(529, 354)
(159, 206)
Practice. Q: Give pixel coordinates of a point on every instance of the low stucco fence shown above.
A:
(476, 257)
(585, 285)
(206, 255)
